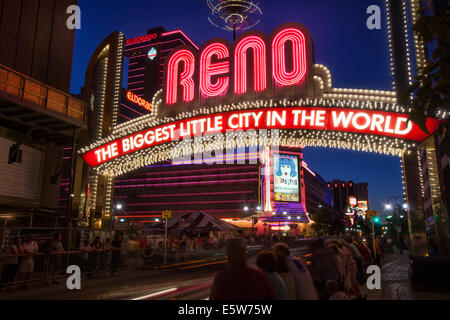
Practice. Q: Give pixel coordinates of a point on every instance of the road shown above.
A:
(185, 280)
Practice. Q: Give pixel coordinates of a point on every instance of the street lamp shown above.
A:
(118, 206)
(245, 208)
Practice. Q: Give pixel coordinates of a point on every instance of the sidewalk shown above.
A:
(395, 283)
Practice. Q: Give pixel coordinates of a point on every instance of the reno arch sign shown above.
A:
(258, 83)
(335, 119)
(255, 65)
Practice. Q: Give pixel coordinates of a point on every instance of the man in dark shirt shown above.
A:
(238, 281)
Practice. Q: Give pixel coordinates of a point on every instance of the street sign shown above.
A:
(166, 214)
(372, 213)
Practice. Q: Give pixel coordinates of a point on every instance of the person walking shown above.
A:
(56, 251)
(97, 249)
(333, 291)
(26, 267)
(324, 266)
(86, 256)
(238, 281)
(11, 264)
(267, 262)
(116, 260)
(357, 257)
(304, 285)
(107, 255)
(286, 275)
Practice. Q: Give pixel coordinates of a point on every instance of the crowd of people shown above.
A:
(335, 270)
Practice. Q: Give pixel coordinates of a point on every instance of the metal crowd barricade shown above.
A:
(47, 268)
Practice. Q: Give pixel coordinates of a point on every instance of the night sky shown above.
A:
(356, 57)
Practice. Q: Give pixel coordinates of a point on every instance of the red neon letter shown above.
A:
(208, 69)
(259, 65)
(186, 80)
(298, 73)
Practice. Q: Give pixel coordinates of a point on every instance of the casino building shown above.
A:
(233, 192)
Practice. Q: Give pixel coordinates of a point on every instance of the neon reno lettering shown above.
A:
(138, 100)
(334, 119)
(210, 71)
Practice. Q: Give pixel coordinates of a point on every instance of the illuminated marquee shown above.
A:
(257, 83)
(139, 101)
(220, 70)
(336, 119)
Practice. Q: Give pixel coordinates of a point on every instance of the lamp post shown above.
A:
(397, 217)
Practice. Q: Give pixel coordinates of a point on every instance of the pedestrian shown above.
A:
(26, 267)
(116, 261)
(238, 281)
(340, 262)
(133, 253)
(267, 262)
(304, 285)
(11, 264)
(107, 254)
(333, 291)
(357, 257)
(56, 251)
(286, 275)
(351, 285)
(97, 249)
(86, 257)
(324, 266)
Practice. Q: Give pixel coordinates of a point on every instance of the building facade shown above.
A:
(341, 190)
(39, 119)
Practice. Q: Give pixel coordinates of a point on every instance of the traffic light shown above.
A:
(376, 219)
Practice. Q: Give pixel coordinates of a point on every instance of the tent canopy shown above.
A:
(193, 223)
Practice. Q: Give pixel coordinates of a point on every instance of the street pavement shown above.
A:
(190, 280)
(395, 284)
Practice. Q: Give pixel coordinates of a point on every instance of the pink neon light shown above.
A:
(139, 56)
(298, 73)
(187, 194)
(186, 81)
(152, 44)
(131, 83)
(139, 75)
(140, 204)
(131, 70)
(125, 117)
(195, 176)
(184, 183)
(209, 70)
(141, 88)
(199, 170)
(179, 31)
(131, 109)
(159, 212)
(259, 67)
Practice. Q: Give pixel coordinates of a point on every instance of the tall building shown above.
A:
(341, 190)
(39, 119)
(146, 58)
(35, 40)
(435, 185)
(317, 192)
